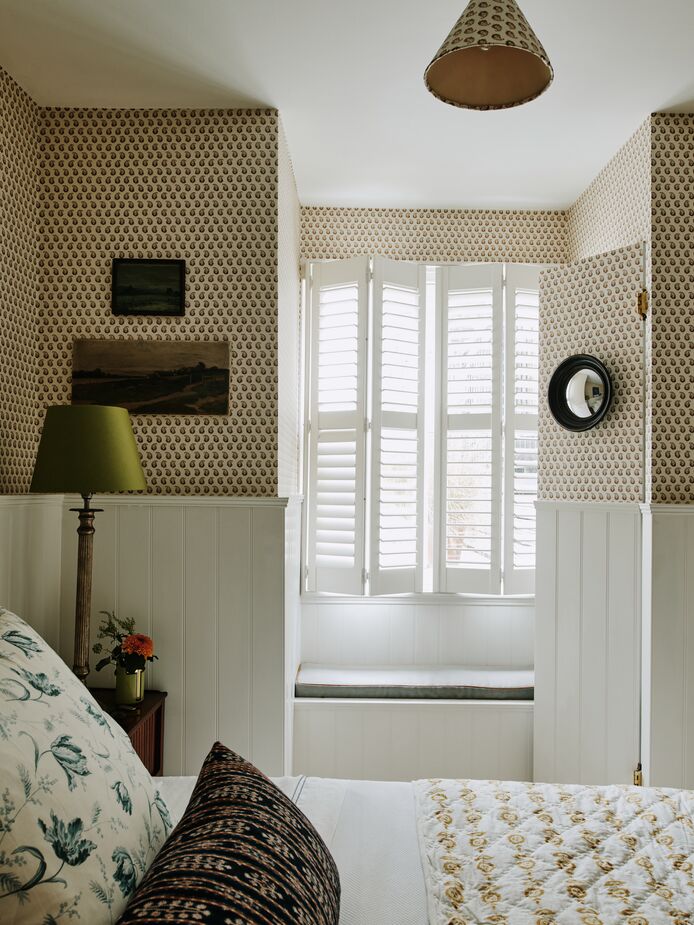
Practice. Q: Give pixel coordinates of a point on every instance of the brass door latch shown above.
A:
(642, 304)
(638, 776)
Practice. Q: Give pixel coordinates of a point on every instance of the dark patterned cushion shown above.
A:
(243, 853)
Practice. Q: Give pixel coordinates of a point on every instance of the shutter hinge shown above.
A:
(638, 776)
(642, 304)
(364, 576)
(367, 425)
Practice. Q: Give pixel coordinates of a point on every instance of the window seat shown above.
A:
(440, 682)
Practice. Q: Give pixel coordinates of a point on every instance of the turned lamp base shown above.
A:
(83, 599)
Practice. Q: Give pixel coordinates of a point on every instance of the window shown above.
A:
(421, 446)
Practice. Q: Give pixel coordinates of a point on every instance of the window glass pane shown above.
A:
(470, 346)
(397, 510)
(524, 497)
(400, 349)
(526, 351)
(469, 498)
(336, 499)
(338, 347)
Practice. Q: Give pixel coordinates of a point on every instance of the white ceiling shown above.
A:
(346, 76)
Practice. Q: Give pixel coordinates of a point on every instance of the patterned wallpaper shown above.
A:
(435, 235)
(199, 185)
(18, 285)
(288, 322)
(215, 187)
(590, 307)
(672, 309)
(614, 210)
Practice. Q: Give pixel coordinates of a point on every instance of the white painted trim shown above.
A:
(411, 739)
(502, 706)
(451, 599)
(671, 509)
(181, 501)
(15, 500)
(622, 507)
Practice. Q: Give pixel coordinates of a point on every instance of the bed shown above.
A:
(500, 853)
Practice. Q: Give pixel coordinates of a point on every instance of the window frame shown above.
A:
(512, 584)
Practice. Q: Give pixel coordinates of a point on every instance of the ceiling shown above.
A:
(347, 80)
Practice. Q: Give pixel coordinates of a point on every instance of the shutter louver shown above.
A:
(335, 496)
(522, 353)
(398, 351)
(470, 549)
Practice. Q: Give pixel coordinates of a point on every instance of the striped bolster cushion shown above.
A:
(243, 853)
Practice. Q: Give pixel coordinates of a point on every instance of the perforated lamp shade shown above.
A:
(491, 59)
(86, 449)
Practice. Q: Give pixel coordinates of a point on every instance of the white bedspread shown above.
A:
(370, 830)
(545, 854)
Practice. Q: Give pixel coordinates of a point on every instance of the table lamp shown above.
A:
(86, 449)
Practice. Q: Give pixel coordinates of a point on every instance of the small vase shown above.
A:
(130, 688)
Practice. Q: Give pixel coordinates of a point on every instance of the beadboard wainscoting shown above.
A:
(30, 530)
(205, 577)
(668, 712)
(587, 650)
(443, 629)
(411, 739)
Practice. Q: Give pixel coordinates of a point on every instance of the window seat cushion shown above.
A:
(439, 682)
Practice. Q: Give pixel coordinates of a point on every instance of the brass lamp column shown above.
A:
(86, 449)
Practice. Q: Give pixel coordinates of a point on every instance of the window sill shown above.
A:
(431, 597)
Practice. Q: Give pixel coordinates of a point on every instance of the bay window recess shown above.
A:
(421, 433)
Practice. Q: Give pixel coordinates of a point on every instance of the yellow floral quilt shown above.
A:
(507, 853)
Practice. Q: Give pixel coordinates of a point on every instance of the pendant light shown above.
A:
(491, 59)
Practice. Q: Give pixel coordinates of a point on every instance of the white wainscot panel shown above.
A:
(587, 654)
(30, 560)
(408, 740)
(376, 633)
(669, 648)
(204, 578)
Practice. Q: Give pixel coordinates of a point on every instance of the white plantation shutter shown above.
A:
(397, 425)
(522, 370)
(337, 414)
(470, 493)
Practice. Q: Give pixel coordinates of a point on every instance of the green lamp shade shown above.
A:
(87, 449)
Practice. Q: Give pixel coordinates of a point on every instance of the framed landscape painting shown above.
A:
(152, 377)
(148, 287)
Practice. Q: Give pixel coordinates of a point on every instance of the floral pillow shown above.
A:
(80, 818)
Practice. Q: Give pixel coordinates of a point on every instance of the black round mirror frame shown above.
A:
(556, 392)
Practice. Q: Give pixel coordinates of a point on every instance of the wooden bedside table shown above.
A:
(144, 725)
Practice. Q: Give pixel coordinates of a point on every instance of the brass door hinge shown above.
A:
(642, 304)
(638, 776)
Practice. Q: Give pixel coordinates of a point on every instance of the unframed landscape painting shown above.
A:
(152, 377)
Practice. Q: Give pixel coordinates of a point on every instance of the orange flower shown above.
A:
(138, 644)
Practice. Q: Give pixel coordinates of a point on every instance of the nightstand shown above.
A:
(144, 725)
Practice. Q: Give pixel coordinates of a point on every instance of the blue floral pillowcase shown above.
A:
(80, 818)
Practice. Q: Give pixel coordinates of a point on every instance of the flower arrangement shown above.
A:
(128, 650)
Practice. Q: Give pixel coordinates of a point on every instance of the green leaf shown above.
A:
(37, 753)
(99, 892)
(40, 871)
(26, 781)
(103, 662)
(9, 882)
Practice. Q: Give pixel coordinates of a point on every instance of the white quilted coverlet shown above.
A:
(506, 853)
